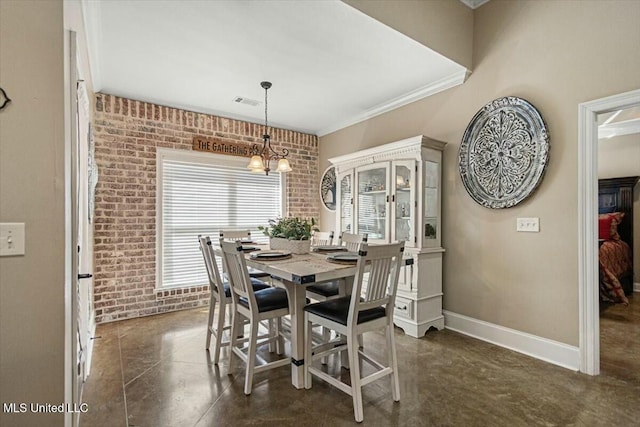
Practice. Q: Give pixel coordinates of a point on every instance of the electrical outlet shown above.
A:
(529, 225)
(11, 238)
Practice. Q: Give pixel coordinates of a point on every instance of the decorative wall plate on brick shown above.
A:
(504, 153)
(328, 188)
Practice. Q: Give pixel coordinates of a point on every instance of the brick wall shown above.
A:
(127, 133)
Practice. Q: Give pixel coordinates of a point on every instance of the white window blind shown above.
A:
(203, 198)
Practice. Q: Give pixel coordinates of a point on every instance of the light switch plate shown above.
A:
(528, 225)
(11, 238)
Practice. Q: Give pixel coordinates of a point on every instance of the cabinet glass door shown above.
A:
(431, 207)
(345, 196)
(372, 204)
(404, 202)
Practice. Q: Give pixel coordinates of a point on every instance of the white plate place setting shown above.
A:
(248, 248)
(329, 248)
(344, 258)
(270, 255)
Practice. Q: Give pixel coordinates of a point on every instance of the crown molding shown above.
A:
(404, 148)
(474, 4)
(420, 93)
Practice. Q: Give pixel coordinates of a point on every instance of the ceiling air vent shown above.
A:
(247, 101)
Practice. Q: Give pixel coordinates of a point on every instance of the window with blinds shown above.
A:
(203, 197)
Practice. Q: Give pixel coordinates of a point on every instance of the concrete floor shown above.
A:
(154, 371)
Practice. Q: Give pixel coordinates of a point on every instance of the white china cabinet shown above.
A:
(393, 192)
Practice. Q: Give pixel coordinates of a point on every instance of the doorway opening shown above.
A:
(588, 293)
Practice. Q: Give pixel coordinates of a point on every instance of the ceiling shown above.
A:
(331, 65)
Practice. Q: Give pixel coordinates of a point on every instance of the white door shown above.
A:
(86, 319)
(74, 346)
(80, 299)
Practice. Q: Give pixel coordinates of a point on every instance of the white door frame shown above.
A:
(72, 385)
(588, 293)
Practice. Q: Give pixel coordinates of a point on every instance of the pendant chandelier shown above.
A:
(261, 157)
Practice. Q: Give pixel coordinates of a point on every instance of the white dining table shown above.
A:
(295, 274)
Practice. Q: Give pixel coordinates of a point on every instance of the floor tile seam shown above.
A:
(215, 402)
(141, 374)
(182, 336)
(124, 392)
(162, 359)
(134, 332)
(188, 363)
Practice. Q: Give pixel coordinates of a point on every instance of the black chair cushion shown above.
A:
(268, 299)
(258, 285)
(252, 273)
(257, 273)
(328, 289)
(337, 310)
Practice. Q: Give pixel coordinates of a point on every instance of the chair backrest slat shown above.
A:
(215, 280)
(383, 263)
(235, 234)
(378, 275)
(322, 238)
(237, 271)
(352, 241)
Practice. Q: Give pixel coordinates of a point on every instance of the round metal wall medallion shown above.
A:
(504, 153)
(328, 188)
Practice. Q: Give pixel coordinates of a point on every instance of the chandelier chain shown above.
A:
(266, 122)
(261, 157)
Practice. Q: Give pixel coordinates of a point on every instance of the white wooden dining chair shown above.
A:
(334, 289)
(219, 298)
(352, 241)
(244, 235)
(267, 304)
(351, 316)
(235, 235)
(322, 238)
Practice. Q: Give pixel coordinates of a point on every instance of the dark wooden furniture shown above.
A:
(616, 195)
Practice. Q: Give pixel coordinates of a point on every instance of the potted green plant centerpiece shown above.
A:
(291, 234)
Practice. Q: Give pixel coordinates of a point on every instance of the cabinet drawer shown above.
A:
(403, 308)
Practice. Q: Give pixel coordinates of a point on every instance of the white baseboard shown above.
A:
(545, 349)
(636, 287)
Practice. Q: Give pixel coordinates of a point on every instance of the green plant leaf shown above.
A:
(292, 228)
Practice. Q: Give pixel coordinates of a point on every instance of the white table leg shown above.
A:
(297, 301)
(347, 282)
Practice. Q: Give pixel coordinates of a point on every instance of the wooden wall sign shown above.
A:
(218, 146)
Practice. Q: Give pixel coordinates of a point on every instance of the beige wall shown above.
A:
(32, 191)
(619, 157)
(446, 26)
(556, 55)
